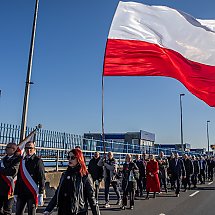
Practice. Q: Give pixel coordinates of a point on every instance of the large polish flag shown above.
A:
(159, 41)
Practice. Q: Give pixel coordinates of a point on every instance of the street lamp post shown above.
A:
(208, 136)
(182, 144)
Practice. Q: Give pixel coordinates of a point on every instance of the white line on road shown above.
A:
(193, 194)
(210, 183)
(162, 214)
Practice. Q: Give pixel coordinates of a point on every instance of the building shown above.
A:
(199, 151)
(129, 142)
(173, 146)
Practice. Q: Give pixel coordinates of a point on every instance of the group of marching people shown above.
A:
(148, 174)
(22, 179)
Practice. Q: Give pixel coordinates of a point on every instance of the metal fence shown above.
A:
(53, 146)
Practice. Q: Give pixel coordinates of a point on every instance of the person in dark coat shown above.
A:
(130, 174)
(196, 171)
(9, 166)
(176, 171)
(152, 179)
(142, 175)
(36, 172)
(211, 165)
(169, 176)
(96, 172)
(203, 168)
(75, 189)
(189, 171)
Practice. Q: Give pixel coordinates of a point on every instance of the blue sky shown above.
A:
(67, 68)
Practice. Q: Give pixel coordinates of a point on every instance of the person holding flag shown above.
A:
(30, 179)
(9, 166)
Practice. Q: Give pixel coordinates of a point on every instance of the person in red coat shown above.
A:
(152, 179)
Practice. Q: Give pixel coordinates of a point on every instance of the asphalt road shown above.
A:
(195, 202)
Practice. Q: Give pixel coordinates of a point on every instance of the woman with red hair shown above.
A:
(75, 189)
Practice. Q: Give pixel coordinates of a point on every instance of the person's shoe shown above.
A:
(147, 197)
(185, 190)
(177, 195)
(132, 207)
(119, 202)
(166, 190)
(123, 207)
(107, 205)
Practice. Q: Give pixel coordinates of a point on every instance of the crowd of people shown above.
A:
(149, 174)
(22, 179)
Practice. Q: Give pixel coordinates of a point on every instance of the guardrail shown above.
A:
(55, 157)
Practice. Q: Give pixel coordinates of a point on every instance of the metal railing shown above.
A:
(53, 146)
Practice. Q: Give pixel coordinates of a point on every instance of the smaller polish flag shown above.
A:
(160, 41)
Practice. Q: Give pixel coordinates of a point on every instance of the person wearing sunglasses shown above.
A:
(75, 189)
(32, 172)
(9, 166)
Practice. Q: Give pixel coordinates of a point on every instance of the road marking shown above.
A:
(210, 183)
(162, 214)
(193, 194)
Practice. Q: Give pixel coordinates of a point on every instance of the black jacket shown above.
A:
(188, 166)
(35, 167)
(95, 171)
(11, 167)
(142, 168)
(127, 169)
(77, 197)
(211, 164)
(196, 169)
(176, 170)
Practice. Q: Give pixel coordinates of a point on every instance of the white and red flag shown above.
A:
(159, 41)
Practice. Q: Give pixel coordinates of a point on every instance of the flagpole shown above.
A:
(28, 77)
(103, 132)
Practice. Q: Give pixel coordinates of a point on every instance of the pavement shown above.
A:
(198, 201)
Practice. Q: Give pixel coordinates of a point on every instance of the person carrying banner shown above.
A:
(9, 166)
(30, 181)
